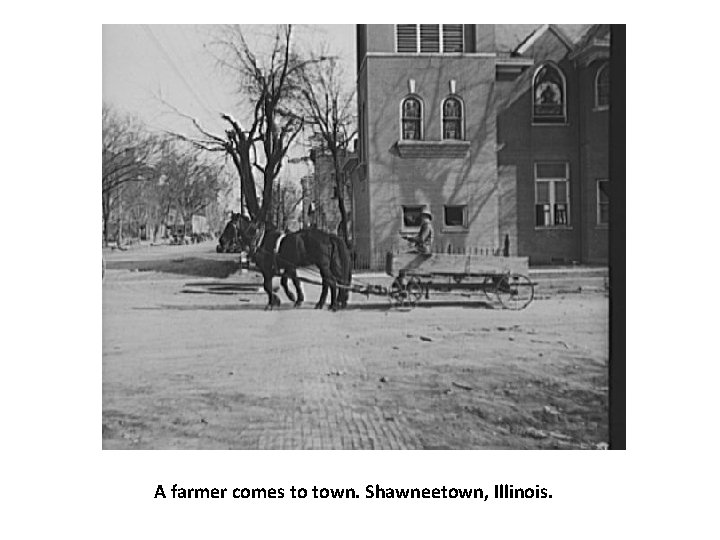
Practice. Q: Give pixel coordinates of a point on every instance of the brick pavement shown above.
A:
(277, 397)
(213, 370)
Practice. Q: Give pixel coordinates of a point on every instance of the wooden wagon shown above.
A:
(502, 278)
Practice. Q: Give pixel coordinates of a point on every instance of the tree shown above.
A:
(189, 183)
(287, 198)
(328, 106)
(128, 156)
(271, 87)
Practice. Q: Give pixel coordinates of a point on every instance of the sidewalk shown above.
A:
(553, 272)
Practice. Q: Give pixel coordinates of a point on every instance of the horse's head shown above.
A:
(250, 234)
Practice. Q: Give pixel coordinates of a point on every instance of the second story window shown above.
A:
(429, 38)
(411, 119)
(452, 119)
(549, 97)
(602, 87)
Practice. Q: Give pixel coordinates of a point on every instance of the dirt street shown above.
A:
(192, 360)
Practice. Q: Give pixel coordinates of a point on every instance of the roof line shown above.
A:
(530, 40)
(562, 36)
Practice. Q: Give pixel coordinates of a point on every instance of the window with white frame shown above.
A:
(549, 97)
(411, 119)
(412, 216)
(429, 38)
(602, 87)
(552, 194)
(603, 202)
(455, 216)
(452, 119)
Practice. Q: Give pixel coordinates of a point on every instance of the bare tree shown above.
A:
(129, 153)
(328, 106)
(190, 183)
(287, 198)
(258, 144)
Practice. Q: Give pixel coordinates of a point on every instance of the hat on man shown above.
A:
(426, 213)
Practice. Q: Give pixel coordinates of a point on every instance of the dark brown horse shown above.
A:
(276, 253)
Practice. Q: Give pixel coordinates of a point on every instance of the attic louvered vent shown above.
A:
(452, 38)
(406, 38)
(429, 38)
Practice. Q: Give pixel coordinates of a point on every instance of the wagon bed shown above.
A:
(453, 264)
(503, 278)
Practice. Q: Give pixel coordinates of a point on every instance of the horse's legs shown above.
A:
(333, 297)
(328, 281)
(298, 288)
(284, 283)
(273, 299)
(342, 297)
(323, 295)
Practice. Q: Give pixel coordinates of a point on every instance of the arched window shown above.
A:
(411, 119)
(549, 97)
(452, 119)
(602, 87)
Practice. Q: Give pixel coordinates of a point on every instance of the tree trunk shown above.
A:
(187, 220)
(247, 184)
(340, 189)
(120, 218)
(267, 201)
(106, 218)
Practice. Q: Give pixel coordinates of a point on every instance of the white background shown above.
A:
(56, 480)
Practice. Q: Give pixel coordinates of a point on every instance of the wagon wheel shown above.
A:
(515, 291)
(489, 286)
(397, 292)
(414, 290)
(404, 293)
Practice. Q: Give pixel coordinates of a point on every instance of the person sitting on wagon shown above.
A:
(423, 239)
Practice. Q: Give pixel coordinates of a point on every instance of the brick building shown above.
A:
(500, 131)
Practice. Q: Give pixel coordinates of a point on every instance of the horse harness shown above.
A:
(259, 239)
(276, 250)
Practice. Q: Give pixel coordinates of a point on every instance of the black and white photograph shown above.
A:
(360, 237)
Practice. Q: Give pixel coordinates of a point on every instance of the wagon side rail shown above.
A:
(444, 263)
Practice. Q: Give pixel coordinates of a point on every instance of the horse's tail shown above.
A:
(341, 267)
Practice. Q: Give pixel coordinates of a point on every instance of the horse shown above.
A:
(229, 241)
(278, 253)
(340, 265)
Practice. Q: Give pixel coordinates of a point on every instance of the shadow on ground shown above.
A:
(185, 266)
(221, 287)
(246, 305)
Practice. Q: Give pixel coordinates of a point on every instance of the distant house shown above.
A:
(320, 193)
(500, 131)
(176, 226)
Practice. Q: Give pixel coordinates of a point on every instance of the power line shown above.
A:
(216, 101)
(171, 63)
